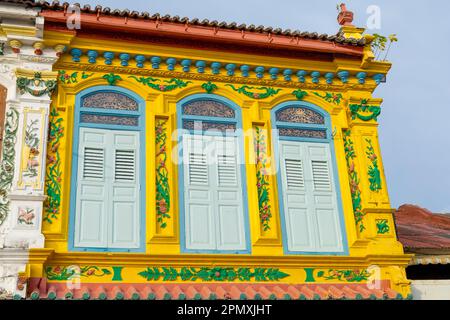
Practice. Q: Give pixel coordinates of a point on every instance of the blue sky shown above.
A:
(414, 136)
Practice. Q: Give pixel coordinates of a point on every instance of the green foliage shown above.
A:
(267, 91)
(212, 274)
(161, 85)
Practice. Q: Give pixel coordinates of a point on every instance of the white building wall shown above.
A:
(430, 289)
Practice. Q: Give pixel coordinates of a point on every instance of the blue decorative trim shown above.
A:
(109, 56)
(140, 59)
(74, 169)
(301, 76)
(200, 66)
(92, 56)
(315, 75)
(245, 70)
(361, 77)
(215, 67)
(230, 68)
(259, 72)
(186, 63)
(124, 58)
(329, 77)
(238, 120)
(329, 140)
(287, 74)
(155, 62)
(343, 75)
(171, 62)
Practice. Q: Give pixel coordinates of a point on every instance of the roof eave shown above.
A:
(141, 26)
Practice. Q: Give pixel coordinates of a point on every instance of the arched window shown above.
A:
(108, 171)
(212, 180)
(307, 180)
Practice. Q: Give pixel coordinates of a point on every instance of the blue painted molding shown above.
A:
(230, 68)
(75, 146)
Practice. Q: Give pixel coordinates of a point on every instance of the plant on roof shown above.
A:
(382, 44)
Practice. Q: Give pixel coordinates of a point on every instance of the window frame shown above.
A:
(240, 142)
(140, 114)
(328, 140)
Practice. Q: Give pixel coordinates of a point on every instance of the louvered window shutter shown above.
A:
(125, 205)
(229, 195)
(299, 223)
(108, 193)
(198, 194)
(92, 193)
(324, 198)
(309, 197)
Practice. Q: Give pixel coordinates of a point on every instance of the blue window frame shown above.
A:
(210, 118)
(123, 113)
(300, 127)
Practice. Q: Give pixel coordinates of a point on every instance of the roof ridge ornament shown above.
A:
(345, 17)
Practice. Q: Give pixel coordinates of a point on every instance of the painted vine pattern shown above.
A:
(72, 78)
(262, 180)
(162, 175)
(382, 226)
(344, 275)
(354, 181)
(24, 85)
(7, 164)
(267, 91)
(53, 176)
(60, 273)
(375, 111)
(373, 170)
(226, 274)
(32, 142)
(330, 97)
(163, 86)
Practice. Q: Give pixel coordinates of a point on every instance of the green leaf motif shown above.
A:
(36, 86)
(299, 94)
(267, 91)
(226, 274)
(373, 170)
(112, 78)
(382, 226)
(209, 87)
(355, 109)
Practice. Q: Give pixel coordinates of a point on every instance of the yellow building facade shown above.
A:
(269, 88)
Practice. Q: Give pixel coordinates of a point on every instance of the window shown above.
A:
(212, 187)
(2, 114)
(107, 169)
(308, 192)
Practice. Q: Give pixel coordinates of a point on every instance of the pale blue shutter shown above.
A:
(198, 193)
(324, 198)
(124, 188)
(92, 193)
(309, 197)
(229, 195)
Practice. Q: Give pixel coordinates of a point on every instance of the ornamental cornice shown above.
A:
(339, 87)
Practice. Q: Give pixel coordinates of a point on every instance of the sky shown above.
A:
(413, 131)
